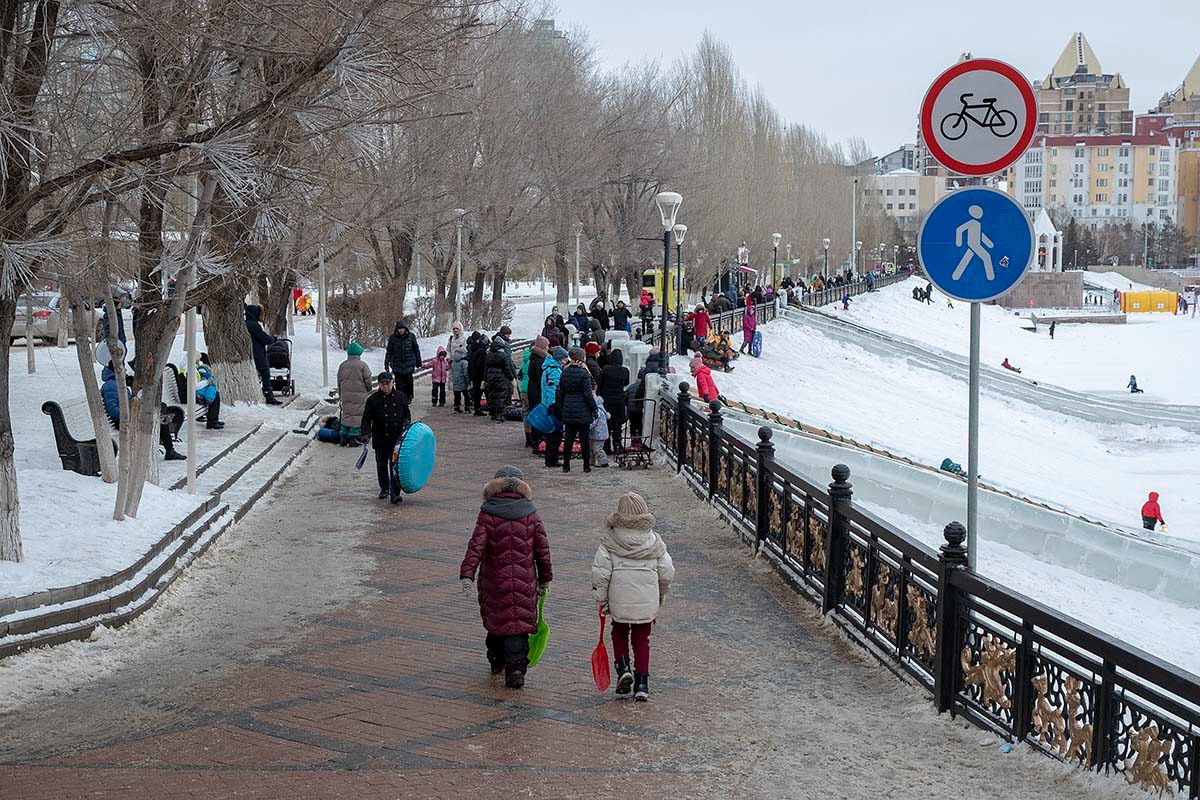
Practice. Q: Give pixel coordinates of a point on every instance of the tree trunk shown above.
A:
(87, 371)
(562, 275)
(10, 506)
(477, 288)
(276, 294)
(402, 248)
(228, 343)
(499, 275)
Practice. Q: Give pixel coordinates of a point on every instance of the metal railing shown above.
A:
(1003, 660)
(730, 321)
(834, 294)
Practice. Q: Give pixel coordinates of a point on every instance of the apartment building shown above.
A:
(905, 195)
(1079, 98)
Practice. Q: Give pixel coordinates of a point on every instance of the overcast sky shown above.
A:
(860, 67)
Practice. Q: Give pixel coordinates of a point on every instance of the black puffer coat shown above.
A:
(575, 401)
(613, 379)
(534, 392)
(499, 376)
(403, 353)
(259, 339)
(476, 356)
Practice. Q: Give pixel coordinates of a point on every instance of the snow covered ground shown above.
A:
(1101, 470)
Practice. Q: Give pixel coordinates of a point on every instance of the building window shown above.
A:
(1079, 152)
(1164, 213)
(1033, 187)
(1053, 183)
(1102, 182)
(1079, 169)
(1153, 150)
(1102, 151)
(1164, 154)
(1150, 182)
(1069, 105)
(912, 206)
(1101, 198)
(889, 194)
(1123, 152)
(1033, 172)
(888, 206)
(1102, 166)
(1164, 186)
(1164, 170)
(912, 192)
(1163, 199)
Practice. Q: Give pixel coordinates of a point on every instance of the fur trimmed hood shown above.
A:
(633, 522)
(636, 543)
(498, 486)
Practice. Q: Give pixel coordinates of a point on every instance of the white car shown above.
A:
(45, 318)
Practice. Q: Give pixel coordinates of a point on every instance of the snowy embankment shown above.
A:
(1102, 470)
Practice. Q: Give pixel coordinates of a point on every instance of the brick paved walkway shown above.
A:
(391, 697)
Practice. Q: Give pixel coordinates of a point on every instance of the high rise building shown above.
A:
(1184, 103)
(1079, 98)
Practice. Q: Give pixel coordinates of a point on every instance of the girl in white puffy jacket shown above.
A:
(631, 574)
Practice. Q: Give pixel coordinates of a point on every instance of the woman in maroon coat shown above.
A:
(512, 555)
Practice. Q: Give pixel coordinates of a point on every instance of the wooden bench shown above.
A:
(78, 455)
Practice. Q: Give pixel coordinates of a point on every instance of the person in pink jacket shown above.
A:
(704, 382)
(749, 325)
(440, 371)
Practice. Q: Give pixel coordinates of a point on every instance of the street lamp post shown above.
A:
(857, 258)
(825, 269)
(896, 255)
(680, 231)
(668, 208)
(578, 233)
(459, 213)
(775, 237)
(788, 248)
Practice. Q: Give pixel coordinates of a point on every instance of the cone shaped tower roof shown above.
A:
(1078, 53)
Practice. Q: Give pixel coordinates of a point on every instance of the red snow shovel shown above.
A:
(600, 673)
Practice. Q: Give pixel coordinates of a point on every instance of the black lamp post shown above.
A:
(825, 269)
(680, 232)
(775, 237)
(668, 208)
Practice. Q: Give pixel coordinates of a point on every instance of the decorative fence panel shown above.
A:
(1002, 660)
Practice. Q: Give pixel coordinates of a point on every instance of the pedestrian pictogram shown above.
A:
(976, 244)
(978, 116)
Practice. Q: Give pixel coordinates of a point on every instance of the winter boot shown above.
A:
(641, 687)
(624, 676)
(514, 674)
(496, 662)
(269, 399)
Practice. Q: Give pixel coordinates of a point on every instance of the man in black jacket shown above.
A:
(259, 339)
(403, 357)
(577, 408)
(477, 369)
(385, 417)
(614, 378)
(533, 394)
(620, 316)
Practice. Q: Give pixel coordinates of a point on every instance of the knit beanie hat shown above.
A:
(542, 342)
(632, 512)
(577, 354)
(592, 348)
(695, 364)
(555, 341)
(560, 354)
(457, 327)
(354, 349)
(509, 471)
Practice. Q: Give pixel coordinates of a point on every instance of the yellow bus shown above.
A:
(652, 279)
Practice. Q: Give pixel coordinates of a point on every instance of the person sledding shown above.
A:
(1009, 366)
(1132, 385)
(1152, 513)
(953, 468)
(846, 301)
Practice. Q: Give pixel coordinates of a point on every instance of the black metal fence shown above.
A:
(730, 321)
(1003, 660)
(835, 294)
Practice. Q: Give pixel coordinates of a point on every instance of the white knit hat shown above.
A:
(632, 512)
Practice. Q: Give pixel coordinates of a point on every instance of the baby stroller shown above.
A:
(279, 360)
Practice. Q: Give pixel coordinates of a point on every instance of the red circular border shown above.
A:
(935, 90)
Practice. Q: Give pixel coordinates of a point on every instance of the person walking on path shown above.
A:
(577, 408)
(1053, 323)
(354, 387)
(460, 374)
(403, 356)
(631, 575)
(551, 376)
(749, 325)
(1152, 513)
(510, 553)
(498, 376)
(385, 417)
(259, 339)
(439, 372)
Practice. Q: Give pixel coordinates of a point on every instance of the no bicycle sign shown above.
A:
(979, 116)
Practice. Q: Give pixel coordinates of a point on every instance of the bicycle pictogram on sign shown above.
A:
(1001, 122)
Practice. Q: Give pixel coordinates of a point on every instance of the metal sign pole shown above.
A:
(324, 321)
(973, 444)
(190, 337)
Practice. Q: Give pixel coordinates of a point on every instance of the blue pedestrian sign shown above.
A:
(976, 244)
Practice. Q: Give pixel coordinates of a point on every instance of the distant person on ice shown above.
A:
(1053, 324)
(1151, 513)
(510, 553)
(1132, 385)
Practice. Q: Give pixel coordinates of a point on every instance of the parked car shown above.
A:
(45, 318)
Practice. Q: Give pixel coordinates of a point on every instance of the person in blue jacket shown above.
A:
(551, 374)
(111, 395)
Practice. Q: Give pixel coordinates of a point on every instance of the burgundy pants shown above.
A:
(621, 632)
